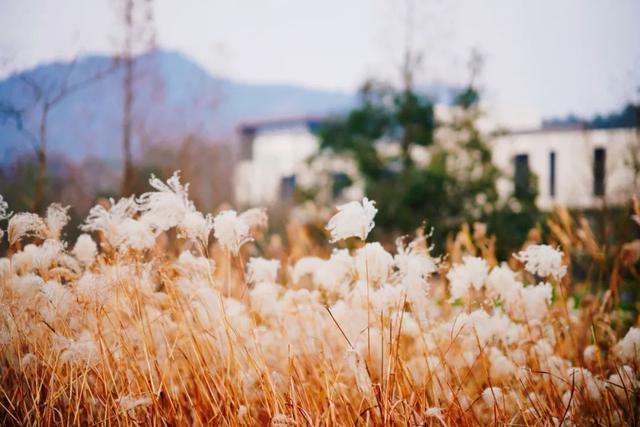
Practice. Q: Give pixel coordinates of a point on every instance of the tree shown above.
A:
(416, 177)
(139, 35)
(46, 96)
(386, 117)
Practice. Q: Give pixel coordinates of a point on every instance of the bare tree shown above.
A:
(139, 35)
(411, 57)
(46, 97)
(415, 38)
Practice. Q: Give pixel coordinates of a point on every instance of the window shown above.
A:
(521, 175)
(599, 170)
(287, 187)
(247, 136)
(552, 174)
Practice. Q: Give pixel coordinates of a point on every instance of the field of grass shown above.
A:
(161, 315)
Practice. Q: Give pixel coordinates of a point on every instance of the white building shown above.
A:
(270, 153)
(575, 167)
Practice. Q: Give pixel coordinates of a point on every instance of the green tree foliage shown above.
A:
(453, 183)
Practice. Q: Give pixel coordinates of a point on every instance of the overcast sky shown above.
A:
(542, 57)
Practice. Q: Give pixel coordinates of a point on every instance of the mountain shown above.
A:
(174, 98)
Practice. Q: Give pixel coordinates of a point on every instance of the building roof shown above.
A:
(251, 127)
(550, 129)
(563, 128)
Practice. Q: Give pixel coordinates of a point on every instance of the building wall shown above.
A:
(276, 154)
(574, 164)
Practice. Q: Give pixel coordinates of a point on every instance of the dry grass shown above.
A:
(148, 337)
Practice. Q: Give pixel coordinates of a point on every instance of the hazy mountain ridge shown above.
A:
(174, 98)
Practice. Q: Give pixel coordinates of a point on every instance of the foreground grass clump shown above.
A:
(164, 315)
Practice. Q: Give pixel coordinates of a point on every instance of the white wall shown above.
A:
(281, 152)
(276, 154)
(574, 164)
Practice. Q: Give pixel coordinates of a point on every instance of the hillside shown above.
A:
(174, 97)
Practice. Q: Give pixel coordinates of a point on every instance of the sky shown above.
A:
(542, 58)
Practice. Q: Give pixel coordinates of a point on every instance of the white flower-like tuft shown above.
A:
(25, 224)
(262, 270)
(108, 220)
(502, 282)
(353, 219)
(3, 213)
(359, 370)
(281, 420)
(120, 229)
(530, 302)
(3, 209)
(628, 348)
(167, 206)
(231, 231)
(413, 260)
(493, 396)
(196, 227)
(373, 263)
(542, 260)
(334, 272)
(256, 218)
(472, 272)
(57, 217)
(307, 266)
(130, 403)
(85, 249)
(623, 380)
(136, 234)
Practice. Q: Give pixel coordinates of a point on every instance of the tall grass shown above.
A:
(165, 316)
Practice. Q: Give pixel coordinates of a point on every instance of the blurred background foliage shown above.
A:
(456, 185)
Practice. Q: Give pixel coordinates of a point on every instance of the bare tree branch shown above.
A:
(10, 113)
(47, 97)
(35, 87)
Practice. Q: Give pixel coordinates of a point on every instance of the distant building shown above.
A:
(270, 153)
(575, 166)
